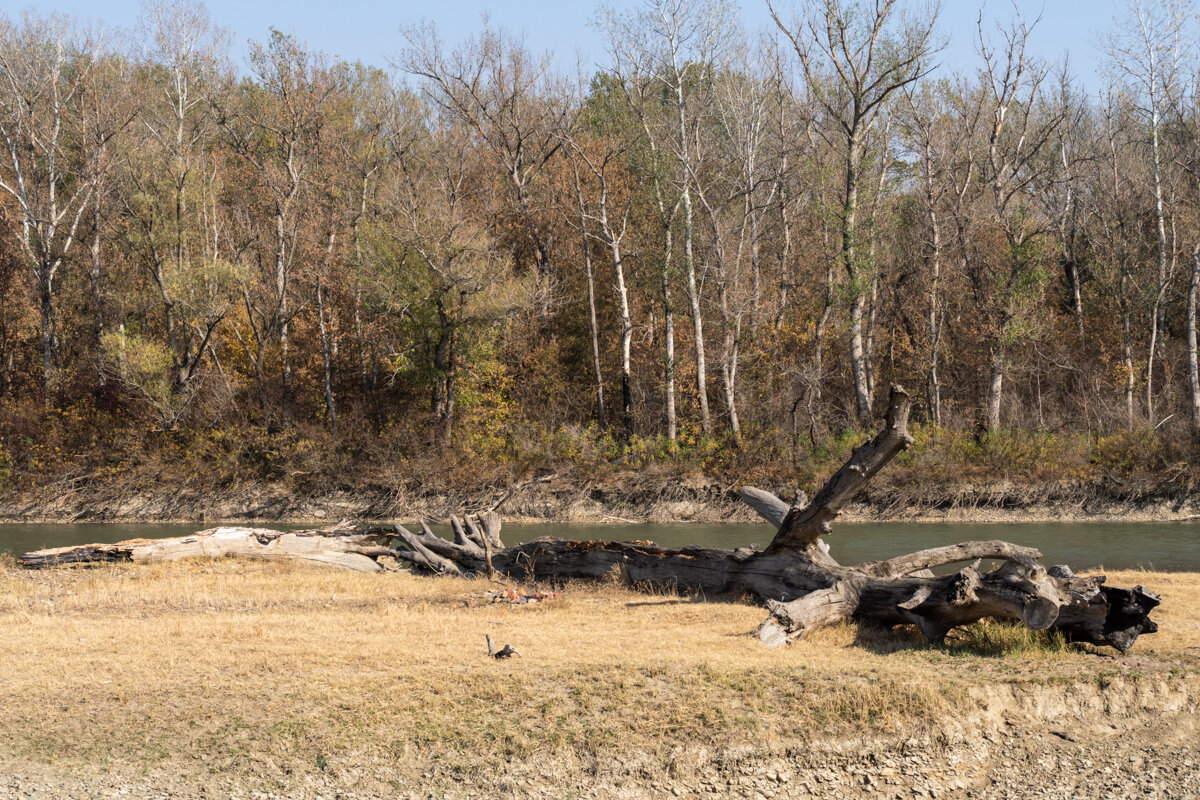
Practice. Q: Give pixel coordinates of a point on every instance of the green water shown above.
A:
(1115, 545)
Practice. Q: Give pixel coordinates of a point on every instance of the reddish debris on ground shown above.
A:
(518, 597)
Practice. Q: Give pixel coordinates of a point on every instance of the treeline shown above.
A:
(717, 236)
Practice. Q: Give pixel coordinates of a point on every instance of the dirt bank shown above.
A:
(1131, 740)
(561, 498)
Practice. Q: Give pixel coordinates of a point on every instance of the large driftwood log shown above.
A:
(346, 545)
(343, 545)
(805, 588)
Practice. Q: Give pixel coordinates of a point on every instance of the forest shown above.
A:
(712, 253)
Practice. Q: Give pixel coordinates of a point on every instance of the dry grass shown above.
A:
(251, 667)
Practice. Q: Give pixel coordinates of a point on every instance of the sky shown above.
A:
(368, 30)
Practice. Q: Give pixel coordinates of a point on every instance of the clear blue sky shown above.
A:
(367, 30)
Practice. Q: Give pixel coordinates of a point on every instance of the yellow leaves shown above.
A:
(485, 403)
(145, 367)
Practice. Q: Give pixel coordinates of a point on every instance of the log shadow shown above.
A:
(884, 640)
(682, 601)
(987, 638)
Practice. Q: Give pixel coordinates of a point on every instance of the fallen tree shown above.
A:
(803, 587)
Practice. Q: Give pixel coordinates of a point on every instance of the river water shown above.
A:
(1171, 546)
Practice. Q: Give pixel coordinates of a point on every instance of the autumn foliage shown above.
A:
(703, 257)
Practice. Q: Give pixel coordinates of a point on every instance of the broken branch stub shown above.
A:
(803, 525)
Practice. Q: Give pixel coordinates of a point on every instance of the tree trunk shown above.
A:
(342, 545)
(804, 588)
(283, 323)
(933, 386)
(689, 230)
(669, 343)
(731, 323)
(693, 293)
(1160, 311)
(45, 281)
(97, 294)
(785, 255)
(859, 367)
(1127, 347)
(445, 365)
(869, 335)
(1193, 360)
(594, 327)
(589, 272)
(817, 378)
(326, 360)
(618, 262)
(1071, 268)
(995, 391)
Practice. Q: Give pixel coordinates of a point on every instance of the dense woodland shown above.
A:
(714, 250)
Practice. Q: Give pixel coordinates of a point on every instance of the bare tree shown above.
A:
(1059, 193)
(1114, 209)
(741, 185)
(1186, 113)
(926, 124)
(634, 73)
(855, 56)
(275, 133)
(1148, 49)
(589, 274)
(597, 145)
(506, 95)
(1018, 137)
(44, 69)
(674, 42)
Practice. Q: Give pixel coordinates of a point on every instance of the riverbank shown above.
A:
(226, 679)
(560, 498)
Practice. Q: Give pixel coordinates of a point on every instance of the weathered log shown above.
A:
(343, 545)
(804, 588)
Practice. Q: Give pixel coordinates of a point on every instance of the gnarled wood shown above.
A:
(940, 556)
(803, 525)
(804, 588)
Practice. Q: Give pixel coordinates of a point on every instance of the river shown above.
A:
(1170, 546)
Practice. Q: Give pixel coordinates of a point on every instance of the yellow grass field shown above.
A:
(274, 671)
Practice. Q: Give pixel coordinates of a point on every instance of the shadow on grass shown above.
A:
(678, 601)
(987, 638)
